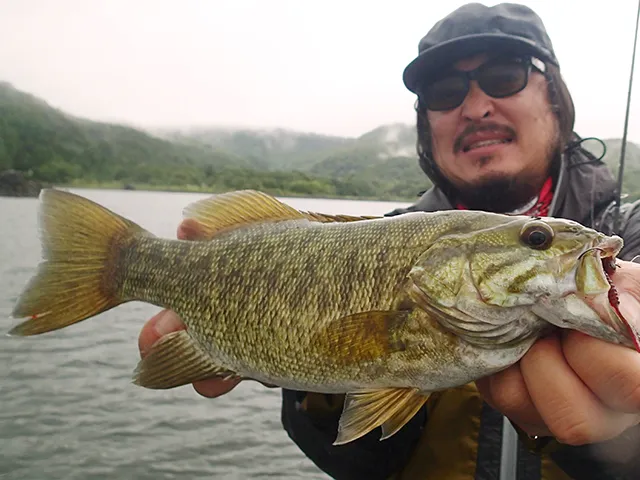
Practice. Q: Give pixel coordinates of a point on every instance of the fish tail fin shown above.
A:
(82, 244)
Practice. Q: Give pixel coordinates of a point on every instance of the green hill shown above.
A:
(53, 147)
(276, 149)
(631, 180)
(379, 164)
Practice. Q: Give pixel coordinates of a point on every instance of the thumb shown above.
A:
(190, 229)
(158, 326)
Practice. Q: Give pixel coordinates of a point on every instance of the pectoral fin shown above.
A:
(175, 360)
(363, 336)
(390, 408)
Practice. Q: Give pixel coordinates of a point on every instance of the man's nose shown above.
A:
(477, 104)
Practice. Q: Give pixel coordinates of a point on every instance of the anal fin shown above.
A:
(176, 360)
(390, 408)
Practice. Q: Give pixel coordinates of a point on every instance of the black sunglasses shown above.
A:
(498, 78)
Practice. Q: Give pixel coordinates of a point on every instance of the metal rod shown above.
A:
(509, 452)
(616, 224)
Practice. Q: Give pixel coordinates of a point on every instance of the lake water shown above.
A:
(68, 409)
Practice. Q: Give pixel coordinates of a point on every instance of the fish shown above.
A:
(385, 310)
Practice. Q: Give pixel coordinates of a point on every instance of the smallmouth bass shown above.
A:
(385, 310)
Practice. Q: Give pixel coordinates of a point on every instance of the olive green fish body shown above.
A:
(385, 310)
(259, 299)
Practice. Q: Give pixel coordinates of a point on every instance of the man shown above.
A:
(495, 128)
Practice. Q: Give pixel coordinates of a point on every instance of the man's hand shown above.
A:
(574, 387)
(167, 321)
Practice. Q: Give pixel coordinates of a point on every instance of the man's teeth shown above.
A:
(484, 143)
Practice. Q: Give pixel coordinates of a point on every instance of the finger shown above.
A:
(215, 387)
(573, 413)
(190, 229)
(506, 391)
(611, 372)
(159, 325)
(626, 278)
(166, 322)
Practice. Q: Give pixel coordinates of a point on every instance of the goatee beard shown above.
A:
(499, 194)
(503, 193)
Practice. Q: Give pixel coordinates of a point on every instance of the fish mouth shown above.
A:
(597, 264)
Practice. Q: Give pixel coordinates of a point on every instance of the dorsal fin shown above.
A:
(326, 218)
(232, 210)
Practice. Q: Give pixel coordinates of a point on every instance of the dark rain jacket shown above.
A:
(456, 435)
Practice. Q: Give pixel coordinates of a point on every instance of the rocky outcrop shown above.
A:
(15, 184)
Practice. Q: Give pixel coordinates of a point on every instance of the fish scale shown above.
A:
(215, 289)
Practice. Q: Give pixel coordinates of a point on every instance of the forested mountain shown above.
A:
(631, 180)
(57, 148)
(52, 147)
(276, 149)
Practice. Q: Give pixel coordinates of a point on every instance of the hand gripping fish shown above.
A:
(386, 310)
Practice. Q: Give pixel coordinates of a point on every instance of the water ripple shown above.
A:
(69, 409)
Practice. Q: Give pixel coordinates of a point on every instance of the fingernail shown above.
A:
(168, 322)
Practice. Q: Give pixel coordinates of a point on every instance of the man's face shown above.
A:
(496, 144)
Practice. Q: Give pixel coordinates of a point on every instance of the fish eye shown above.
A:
(537, 235)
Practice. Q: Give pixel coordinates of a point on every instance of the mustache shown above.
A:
(485, 127)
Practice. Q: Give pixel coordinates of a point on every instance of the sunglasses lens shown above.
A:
(497, 79)
(446, 93)
(503, 79)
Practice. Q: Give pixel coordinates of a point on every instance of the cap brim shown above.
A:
(462, 47)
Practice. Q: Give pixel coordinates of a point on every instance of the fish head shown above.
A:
(503, 279)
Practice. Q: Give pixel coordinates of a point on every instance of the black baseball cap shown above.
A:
(475, 28)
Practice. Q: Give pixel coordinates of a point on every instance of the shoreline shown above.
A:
(207, 190)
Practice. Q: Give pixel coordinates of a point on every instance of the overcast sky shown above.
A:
(327, 66)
